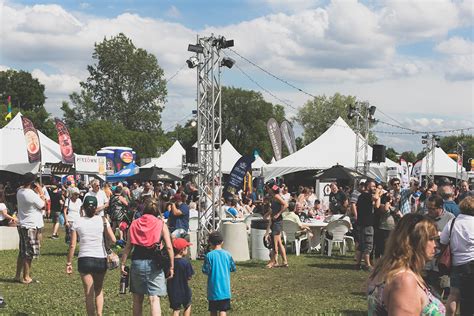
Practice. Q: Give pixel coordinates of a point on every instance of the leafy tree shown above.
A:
(186, 135)
(125, 86)
(409, 156)
(318, 114)
(391, 154)
(421, 155)
(26, 92)
(244, 120)
(449, 145)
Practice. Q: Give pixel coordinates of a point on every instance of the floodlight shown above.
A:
(193, 123)
(228, 62)
(195, 48)
(352, 112)
(372, 110)
(192, 62)
(194, 112)
(221, 42)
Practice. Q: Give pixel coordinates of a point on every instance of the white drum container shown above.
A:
(235, 240)
(257, 231)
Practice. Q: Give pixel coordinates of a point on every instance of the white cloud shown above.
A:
(456, 46)
(291, 6)
(173, 12)
(459, 60)
(84, 5)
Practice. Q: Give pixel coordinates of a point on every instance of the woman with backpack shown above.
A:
(117, 209)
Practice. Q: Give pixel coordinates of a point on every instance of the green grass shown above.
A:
(313, 284)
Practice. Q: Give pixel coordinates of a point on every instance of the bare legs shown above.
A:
(23, 265)
(279, 247)
(453, 301)
(93, 292)
(155, 308)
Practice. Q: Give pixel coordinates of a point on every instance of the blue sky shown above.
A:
(412, 59)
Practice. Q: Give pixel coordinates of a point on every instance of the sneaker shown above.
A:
(55, 237)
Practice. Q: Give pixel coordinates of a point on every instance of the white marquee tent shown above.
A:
(171, 161)
(13, 155)
(335, 146)
(443, 166)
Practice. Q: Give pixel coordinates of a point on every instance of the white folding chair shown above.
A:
(291, 229)
(338, 229)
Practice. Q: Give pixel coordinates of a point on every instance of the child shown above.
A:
(179, 292)
(217, 266)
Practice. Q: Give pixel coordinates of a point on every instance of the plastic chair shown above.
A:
(291, 229)
(338, 229)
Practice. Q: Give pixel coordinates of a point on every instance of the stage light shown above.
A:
(221, 42)
(228, 62)
(192, 62)
(352, 112)
(193, 123)
(195, 48)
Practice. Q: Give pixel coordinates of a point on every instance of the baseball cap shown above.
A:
(180, 244)
(215, 238)
(90, 201)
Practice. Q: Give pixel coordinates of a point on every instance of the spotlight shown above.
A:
(192, 62)
(195, 48)
(194, 112)
(228, 62)
(372, 110)
(193, 123)
(221, 42)
(352, 112)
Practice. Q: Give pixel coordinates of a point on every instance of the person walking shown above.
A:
(72, 211)
(146, 278)
(92, 230)
(278, 206)
(30, 201)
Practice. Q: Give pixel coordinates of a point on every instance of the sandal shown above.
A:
(283, 265)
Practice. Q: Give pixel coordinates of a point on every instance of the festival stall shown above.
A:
(171, 161)
(444, 166)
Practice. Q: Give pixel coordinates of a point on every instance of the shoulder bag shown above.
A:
(113, 260)
(161, 256)
(444, 260)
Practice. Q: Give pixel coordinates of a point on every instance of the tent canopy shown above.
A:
(13, 155)
(443, 165)
(335, 146)
(171, 161)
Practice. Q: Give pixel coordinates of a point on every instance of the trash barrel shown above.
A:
(235, 240)
(257, 232)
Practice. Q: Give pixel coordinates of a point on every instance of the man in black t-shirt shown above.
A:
(338, 201)
(367, 202)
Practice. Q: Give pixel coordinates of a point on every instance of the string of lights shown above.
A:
(175, 74)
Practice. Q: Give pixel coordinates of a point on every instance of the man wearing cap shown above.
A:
(178, 221)
(30, 201)
(102, 200)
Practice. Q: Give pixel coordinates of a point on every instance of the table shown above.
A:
(316, 226)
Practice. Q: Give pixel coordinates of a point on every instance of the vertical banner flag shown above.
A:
(404, 171)
(33, 147)
(416, 170)
(275, 137)
(64, 140)
(237, 175)
(9, 109)
(285, 133)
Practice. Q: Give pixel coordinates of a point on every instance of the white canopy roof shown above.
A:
(258, 163)
(335, 146)
(13, 155)
(171, 161)
(230, 155)
(443, 165)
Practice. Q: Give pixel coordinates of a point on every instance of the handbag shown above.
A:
(113, 260)
(161, 256)
(444, 260)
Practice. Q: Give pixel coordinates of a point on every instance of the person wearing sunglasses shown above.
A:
(396, 285)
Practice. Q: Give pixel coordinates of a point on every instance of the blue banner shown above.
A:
(236, 177)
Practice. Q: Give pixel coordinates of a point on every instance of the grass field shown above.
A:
(313, 284)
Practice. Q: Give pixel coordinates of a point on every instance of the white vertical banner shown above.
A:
(405, 180)
(416, 170)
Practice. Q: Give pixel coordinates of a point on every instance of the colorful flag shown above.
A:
(9, 114)
(33, 147)
(65, 143)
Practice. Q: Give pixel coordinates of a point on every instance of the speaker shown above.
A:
(192, 155)
(378, 153)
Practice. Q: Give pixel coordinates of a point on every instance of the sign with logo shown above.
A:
(275, 137)
(33, 147)
(127, 157)
(90, 164)
(237, 175)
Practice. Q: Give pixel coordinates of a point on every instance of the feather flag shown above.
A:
(9, 114)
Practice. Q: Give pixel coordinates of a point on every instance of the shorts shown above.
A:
(146, 278)
(89, 265)
(29, 242)
(276, 227)
(177, 306)
(221, 305)
(55, 217)
(366, 239)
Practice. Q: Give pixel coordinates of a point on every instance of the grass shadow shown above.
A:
(353, 313)
(338, 266)
(9, 280)
(54, 254)
(251, 264)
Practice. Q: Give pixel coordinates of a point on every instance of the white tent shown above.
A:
(335, 146)
(258, 163)
(171, 161)
(443, 165)
(13, 155)
(230, 155)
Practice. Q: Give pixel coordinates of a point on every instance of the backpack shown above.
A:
(117, 210)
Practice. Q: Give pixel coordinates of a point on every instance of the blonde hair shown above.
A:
(467, 205)
(406, 247)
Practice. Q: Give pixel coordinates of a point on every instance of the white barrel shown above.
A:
(235, 240)
(259, 251)
(194, 247)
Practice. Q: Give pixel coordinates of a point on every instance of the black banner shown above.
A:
(237, 175)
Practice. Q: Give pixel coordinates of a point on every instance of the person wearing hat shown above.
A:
(178, 220)
(30, 201)
(179, 292)
(91, 229)
(71, 210)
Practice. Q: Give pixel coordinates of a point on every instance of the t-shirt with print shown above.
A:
(179, 291)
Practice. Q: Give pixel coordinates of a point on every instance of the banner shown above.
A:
(33, 146)
(416, 170)
(237, 175)
(8, 117)
(405, 180)
(64, 140)
(90, 164)
(275, 137)
(285, 128)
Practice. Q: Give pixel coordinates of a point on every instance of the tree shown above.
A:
(186, 135)
(318, 114)
(26, 92)
(125, 86)
(409, 156)
(391, 154)
(449, 145)
(244, 120)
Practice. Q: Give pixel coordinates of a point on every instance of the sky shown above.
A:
(412, 59)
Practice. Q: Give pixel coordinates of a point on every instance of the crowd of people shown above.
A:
(401, 229)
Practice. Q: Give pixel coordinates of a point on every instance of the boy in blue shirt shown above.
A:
(218, 265)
